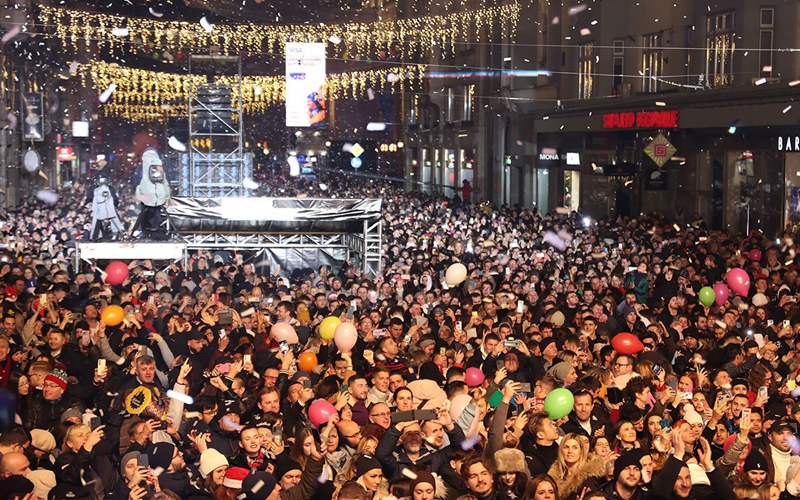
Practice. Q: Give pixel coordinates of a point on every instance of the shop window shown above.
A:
(765, 42)
(720, 47)
(586, 71)
(652, 62)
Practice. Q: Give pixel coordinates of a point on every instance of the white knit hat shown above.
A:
(691, 415)
(210, 460)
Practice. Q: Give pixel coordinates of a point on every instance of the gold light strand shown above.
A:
(142, 95)
(362, 39)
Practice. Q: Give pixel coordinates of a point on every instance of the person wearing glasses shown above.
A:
(45, 410)
(623, 370)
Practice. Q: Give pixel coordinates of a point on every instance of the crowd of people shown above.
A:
(442, 396)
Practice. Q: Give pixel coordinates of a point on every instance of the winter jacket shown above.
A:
(153, 194)
(591, 474)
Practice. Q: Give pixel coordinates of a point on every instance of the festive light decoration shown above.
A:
(143, 95)
(403, 37)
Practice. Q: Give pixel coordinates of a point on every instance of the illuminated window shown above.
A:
(720, 46)
(586, 71)
(765, 42)
(652, 62)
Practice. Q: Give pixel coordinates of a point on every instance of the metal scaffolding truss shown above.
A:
(216, 154)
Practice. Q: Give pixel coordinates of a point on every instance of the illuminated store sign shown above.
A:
(642, 119)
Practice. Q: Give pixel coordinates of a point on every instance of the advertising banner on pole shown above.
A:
(306, 103)
(32, 122)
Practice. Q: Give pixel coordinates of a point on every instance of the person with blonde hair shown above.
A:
(575, 468)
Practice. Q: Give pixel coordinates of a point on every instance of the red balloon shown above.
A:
(320, 411)
(626, 343)
(117, 273)
(755, 255)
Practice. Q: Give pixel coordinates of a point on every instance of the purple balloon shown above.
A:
(721, 293)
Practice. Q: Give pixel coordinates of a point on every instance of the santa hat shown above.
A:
(234, 477)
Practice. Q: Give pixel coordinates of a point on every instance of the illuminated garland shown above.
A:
(406, 36)
(142, 95)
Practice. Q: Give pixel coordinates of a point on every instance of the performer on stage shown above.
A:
(153, 193)
(103, 202)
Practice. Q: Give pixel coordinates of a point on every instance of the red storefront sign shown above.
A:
(642, 119)
(65, 153)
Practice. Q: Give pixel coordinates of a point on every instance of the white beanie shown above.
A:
(691, 415)
(210, 460)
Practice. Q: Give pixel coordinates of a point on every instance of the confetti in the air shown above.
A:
(10, 34)
(347, 146)
(586, 32)
(335, 40)
(391, 77)
(48, 197)
(207, 26)
(323, 187)
(577, 9)
(370, 94)
(106, 95)
(249, 183)
(471, 441)
(409, 474)
(183, 398)
(553, 239)
(12, 120)
(120, 31)
(175, 144)
(155, 13)
(376, 127)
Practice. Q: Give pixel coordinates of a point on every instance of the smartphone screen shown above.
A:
(246, 359)
(763, 393)
(746, 416)
(519, 306)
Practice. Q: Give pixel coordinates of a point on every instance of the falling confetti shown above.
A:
(471, 441)
(409, 474)
(391, 78)
(155, 13)
(175, 144)
(183, 398)
(10, 34)
(106, 95)
(370, 94)
(120, 31)
(12, 120)
(376, 127)
(554, 240)
(335, 40)
(250, 184)
(577, 9)
(323, 187)
(48, 197)
(208, 27)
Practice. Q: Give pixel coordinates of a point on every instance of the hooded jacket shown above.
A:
(152, 194)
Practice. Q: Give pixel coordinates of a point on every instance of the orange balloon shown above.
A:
(307, 361)
(112, 315)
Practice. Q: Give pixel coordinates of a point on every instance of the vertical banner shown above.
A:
(306, 103)
(32, 122)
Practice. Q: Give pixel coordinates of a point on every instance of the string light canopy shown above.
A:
(144, 96)
(404, 37)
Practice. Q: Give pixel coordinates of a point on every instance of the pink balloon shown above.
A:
(345, 337)
(739, 281)
(458, 404)
(284, 331)
(320, 411)
(721, 294)
(755, 255)
(117, 273)
(627, 343)
(474, 377)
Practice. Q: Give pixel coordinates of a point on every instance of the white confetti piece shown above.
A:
(552, 239)
(409, 474)
(391, 77)
(12, 120)
(184, 398)
(155, 13)
(48, 197)
(106, 95)
(120, 31)
(470, 442)
(14, 31)
(207, 26)
(586, 32)
(175, 144)
(334, 39)
(73, 67)
(577, 9)
(250, 184)
(323, 187)
(376, 127)
(347, 146)
(370, 94)
(258, 486)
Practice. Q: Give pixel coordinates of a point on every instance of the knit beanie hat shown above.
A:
(210, 460)
(161, 456)
(284, 466)
(423, 477)
(42, 440)
(257, 485)
(366, 463)
(58, 377)
(755, 461)
(561, 370)
(234, 477)
(627, 459)
(131, 455)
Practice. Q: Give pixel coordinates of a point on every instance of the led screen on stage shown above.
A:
(306, 103)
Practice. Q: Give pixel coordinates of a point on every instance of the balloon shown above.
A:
(626, 343)
(721, 293)
(707, 296)
(345, 337)
(307, 361)
(496, 399)
(458, 404)
(474, 377)
(456, 274)
(112, 315)
(117, 273)
(328, 327)
(559, 403)
(284, 331)
(755, 255)
(320, 411)
(739, 281)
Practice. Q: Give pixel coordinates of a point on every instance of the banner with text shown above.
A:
(306, 104)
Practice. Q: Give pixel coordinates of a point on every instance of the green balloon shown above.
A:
(707, 296)
(495, 399)
(559, 403)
